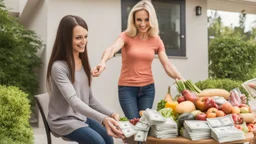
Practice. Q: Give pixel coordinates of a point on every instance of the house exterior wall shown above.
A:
(12, 5)
(34, 17)
(104, 21)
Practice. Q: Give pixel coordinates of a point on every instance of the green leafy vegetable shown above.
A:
(161, 105)
(167, 112)
(123, 119)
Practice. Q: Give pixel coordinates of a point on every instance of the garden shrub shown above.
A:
(14, 116)
(19, 62)
(232, 58)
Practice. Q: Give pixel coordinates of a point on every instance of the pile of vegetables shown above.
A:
(194, 103)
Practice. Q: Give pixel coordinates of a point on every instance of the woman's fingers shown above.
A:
(112, 128)
(115, 116)
(98, 70)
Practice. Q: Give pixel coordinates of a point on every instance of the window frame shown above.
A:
(171, 52)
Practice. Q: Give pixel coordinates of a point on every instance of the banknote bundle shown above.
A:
(223, 129)
(161, 127)
(167, 129)
(151, 122)
(127, 128)
(142, 126)
(196, 130)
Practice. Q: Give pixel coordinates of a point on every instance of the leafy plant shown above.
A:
(232, 58)
(14, 116)
(226, 84)
(18, 59)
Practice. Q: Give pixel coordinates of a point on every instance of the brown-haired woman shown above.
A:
(73, 111)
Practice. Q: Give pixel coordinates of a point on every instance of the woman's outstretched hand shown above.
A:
(112, 128)
(96, 71)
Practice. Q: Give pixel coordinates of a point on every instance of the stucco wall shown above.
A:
(34, 17)
(12, 5)
(104, 20)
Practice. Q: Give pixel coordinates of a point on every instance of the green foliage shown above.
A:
(18, 59)
(226, 84)
(14, 116)
(5, 140)
(232, 58)
(161, 105)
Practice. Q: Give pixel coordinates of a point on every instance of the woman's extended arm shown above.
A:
(169, 68)
(107, 54)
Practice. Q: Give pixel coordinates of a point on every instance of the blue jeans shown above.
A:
(95, 133)
(135, 98)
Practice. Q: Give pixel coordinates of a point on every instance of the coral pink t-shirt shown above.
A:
(137, 57)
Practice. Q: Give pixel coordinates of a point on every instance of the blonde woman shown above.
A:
(139, 43)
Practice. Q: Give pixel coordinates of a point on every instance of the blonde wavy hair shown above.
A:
(153, 22)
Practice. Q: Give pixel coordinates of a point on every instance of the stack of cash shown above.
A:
(142, 126)
(196, 130)
(127, 128)
(167, 129)
(223, 129)
(152, 121)
(150, 117)
(160, 127)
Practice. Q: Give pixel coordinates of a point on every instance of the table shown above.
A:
(182, 140)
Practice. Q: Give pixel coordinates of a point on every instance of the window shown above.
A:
(171, 19)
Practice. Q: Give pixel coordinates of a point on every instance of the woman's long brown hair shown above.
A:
(63, 50)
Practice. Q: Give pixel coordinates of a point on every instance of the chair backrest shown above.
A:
(42, 101)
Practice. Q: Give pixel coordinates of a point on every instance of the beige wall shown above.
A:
(104, 20)
(34, 17)
(12, 5)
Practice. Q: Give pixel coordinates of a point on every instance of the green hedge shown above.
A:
(232, 58)
(14, 116)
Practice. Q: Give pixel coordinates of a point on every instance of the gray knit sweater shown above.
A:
(70, 104)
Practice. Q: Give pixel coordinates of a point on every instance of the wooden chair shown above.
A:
(42, 101)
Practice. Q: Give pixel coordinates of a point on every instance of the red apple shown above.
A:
(201, 116)
(189, 96)
(181, 99)
(209, 103)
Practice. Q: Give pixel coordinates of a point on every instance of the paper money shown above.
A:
(197, 126)
(153, 115)
(140, 136)
(196, 130)
(125, 124)
(220, 121)
(127, 128)
(164, 129)
(224, 131)
(142, 126)
(129, 132)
